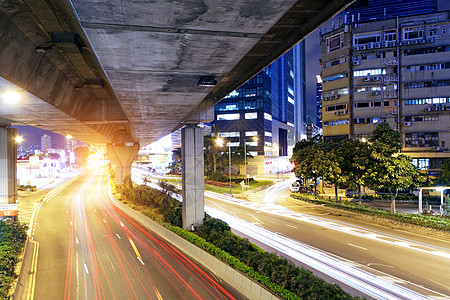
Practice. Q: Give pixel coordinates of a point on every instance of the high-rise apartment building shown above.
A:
(46, 143)
(367, 10)
(395, 71)
(267, 108)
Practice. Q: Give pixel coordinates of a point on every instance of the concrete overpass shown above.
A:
(125, 73)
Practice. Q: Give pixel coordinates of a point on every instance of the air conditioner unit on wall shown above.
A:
(376, 78)
(427, 109)
(362, 47)
(356, 63)
(367, 78)
(375, 93)
(407, 123)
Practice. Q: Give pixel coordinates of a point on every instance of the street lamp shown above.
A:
(255, 139)
(220, 142)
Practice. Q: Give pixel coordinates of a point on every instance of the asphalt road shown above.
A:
(89, 249)
(421, 263)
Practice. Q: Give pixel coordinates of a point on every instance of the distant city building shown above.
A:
(46, 143)
(267, 113)
(319, 101)
(369, 10)
(393, 71)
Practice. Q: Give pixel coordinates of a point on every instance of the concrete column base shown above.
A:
(193, 176)
(122, 157)
(8, 169)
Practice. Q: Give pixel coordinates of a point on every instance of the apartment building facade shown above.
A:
(395, 71)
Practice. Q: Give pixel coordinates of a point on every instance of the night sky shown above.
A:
(32, 135)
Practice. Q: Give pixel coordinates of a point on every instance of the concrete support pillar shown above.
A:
(193, 176)
(8, 167)
(122, 157)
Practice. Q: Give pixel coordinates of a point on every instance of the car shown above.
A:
(349, 193)
(297, 187)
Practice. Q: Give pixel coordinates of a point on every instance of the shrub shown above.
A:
(12, 240)
(217, 176)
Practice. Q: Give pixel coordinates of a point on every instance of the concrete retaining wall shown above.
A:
(243, 284)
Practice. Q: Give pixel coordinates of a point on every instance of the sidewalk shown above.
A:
(27, 200)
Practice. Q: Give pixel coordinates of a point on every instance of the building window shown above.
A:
(335, 42)
(436, 100)
(251, 116)
(252, 144)
(290, 100)
(268, 144)
(290, 124)
(290, 91)
(229, 134)
(412, 33)
(233, 144)
(335, 123)
(228, 117)
(266, 133)
(368, 72)
(421, 163)
(362, 104)
(251, 133)
(233, 94)
(267, 116)
(421, 139)
(390, 35)
(253, 153)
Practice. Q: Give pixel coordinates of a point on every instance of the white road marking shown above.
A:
(118, 236)
(356, 246)
(292, 226)
(140, 260)
(86, 269)
(104, 220)
(76, 239)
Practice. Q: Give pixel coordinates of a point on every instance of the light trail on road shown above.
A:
(108, 255)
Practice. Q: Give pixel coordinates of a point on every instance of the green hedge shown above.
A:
(421, 220)
(12, 240)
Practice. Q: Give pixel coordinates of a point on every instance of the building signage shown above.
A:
(9, 210)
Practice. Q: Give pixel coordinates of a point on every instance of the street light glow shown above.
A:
(18, 139)
(220, 142)
(69, 137)
(11, 97)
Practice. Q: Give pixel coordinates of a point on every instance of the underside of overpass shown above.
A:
(126, 71)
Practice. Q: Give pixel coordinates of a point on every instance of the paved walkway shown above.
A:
(28, 200)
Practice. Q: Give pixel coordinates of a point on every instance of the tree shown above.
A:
(444, 178)
(354, 157)
(333, 173)
(313, 161)
(385, 140)
(389, 171)
(175, 165)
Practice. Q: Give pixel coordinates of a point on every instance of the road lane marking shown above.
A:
(86, 269)
(141, 261)
(95, 210)
(356, 246)
(118, 236)
(76, 239)
(104, 220)
(292, 226)
(33, 270)
(67, 212)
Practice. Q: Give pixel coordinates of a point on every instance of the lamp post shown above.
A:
(255, 139)
(220, 143)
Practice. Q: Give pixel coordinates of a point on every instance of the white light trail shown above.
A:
(370, 284)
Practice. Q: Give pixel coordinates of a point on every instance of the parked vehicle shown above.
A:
(297, 187)
(350, 193)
